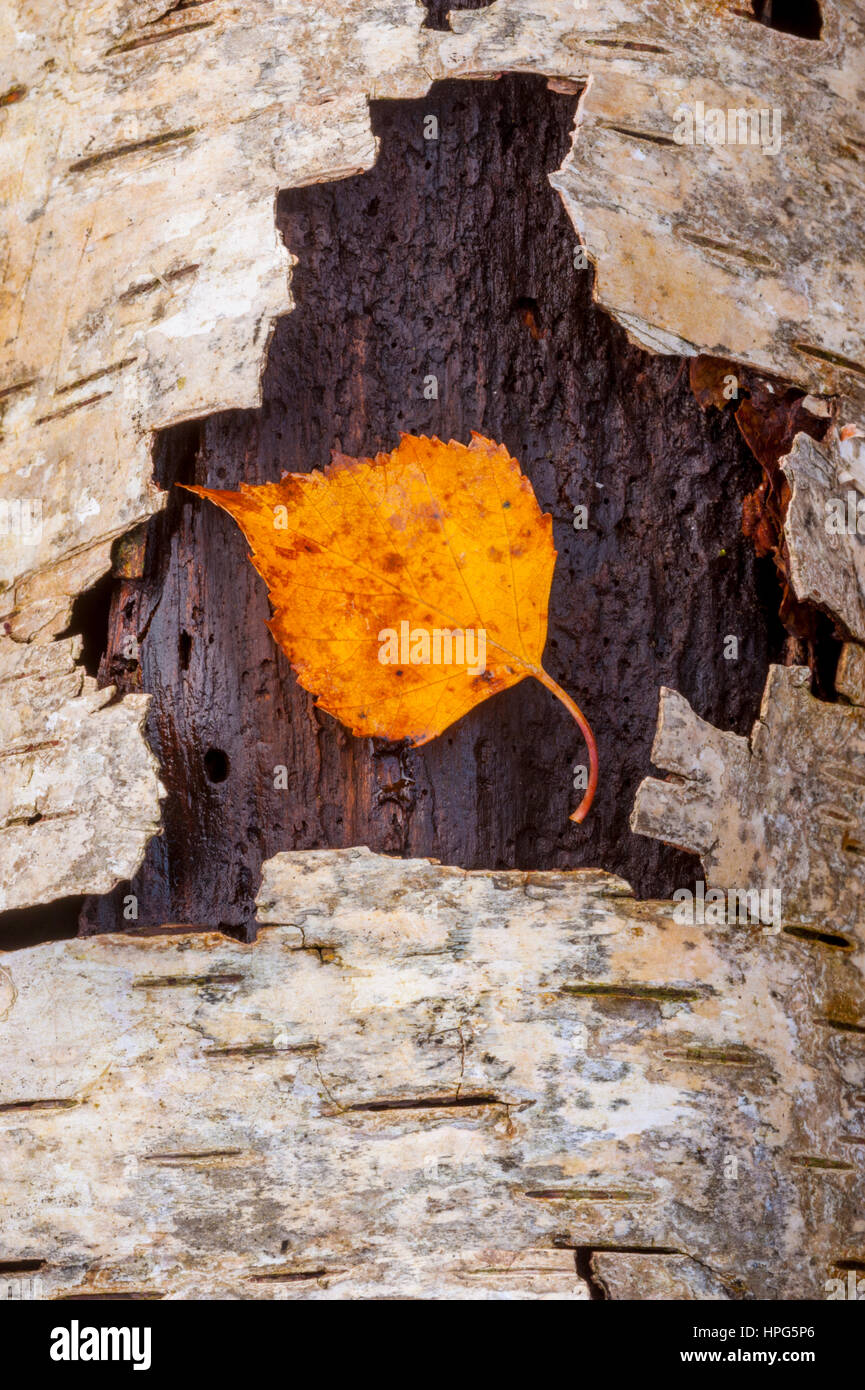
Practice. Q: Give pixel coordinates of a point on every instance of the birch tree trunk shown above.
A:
(293, 1057)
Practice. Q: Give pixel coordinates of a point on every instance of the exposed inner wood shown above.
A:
(454, 258)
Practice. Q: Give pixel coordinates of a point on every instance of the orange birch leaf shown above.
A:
(409, 587)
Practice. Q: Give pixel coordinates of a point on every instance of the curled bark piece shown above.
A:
(825, 545)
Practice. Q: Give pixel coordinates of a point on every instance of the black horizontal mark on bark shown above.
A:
(158, 282)
(625, 44)
(837, 940)
(94, 376)
(264, 1050)
(833, 358)
(561, 1243)
(91, 161)
(37, 817)
(29, 748)
(828, 1165)
(661, 994)
(724, 248)
(110, 1295)
(17, 386)
(147, 39)
(192, 1156)
(732, 1056)
(652, 136)
(590, 1194)
(290, 1276)
(70, 409)
(430, 1103)
(179, 981)
(52, 1103)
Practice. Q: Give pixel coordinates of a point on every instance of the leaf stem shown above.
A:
(574, 710)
